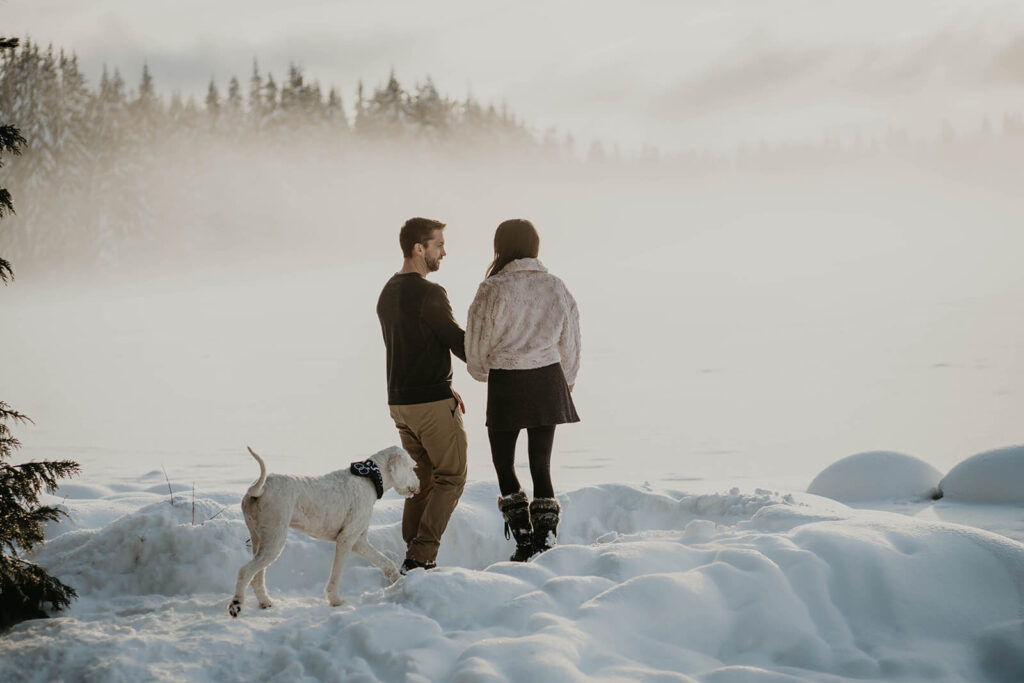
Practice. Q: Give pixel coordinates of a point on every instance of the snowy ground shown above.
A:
(647, 584)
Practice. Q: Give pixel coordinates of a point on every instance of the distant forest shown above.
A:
(87, 174)
(106, 168)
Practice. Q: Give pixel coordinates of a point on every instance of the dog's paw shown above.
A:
(335, 600)
(392, 575)
(235, 608)
(264, 604)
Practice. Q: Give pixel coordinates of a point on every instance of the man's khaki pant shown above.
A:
(435, 437)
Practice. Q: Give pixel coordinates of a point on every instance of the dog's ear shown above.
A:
(390, 458)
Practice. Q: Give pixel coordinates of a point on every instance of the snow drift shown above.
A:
(995, 476)
(646, 585)
(876, 475)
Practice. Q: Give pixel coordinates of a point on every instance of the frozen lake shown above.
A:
(723, 339)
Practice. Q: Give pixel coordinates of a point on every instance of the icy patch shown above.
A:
(876, 475)
(995, 476)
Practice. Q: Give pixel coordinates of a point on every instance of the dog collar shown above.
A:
(368, 468)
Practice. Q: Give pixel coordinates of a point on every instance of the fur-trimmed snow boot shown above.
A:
(515, 508)
(544, 515)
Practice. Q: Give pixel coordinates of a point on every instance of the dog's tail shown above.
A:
(256, 490)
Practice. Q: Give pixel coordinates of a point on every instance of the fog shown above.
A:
(738, 321)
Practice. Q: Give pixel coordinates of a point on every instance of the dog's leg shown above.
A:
(270, 547)
(362, 547)
(259, 585)
(342, 544)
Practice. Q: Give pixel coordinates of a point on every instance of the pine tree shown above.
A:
(233, 108)
(213, 104)
(387, 112)
(430, 113)
(256, 97)
(25, 587)
(10, 142)
(335, 113)
(361, 121)
(270, 104)
(145, 109)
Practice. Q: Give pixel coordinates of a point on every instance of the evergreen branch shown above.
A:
(24, 482)
(11, 139)
(8, 43)
(8, 444)
(6, 208)
(6, 274)
(25, 588)
(9, 413)
(20, 528)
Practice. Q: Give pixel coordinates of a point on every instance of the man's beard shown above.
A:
(432, 263)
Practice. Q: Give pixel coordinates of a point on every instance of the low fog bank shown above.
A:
(312, 201)
(739, 320)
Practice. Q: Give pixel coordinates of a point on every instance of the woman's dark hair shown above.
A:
(514, 239)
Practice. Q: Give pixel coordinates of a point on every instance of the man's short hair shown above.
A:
(417, 231)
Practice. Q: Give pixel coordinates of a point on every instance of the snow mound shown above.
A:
(172, 549)
(876, 475)
(995, 476)
(644, 585)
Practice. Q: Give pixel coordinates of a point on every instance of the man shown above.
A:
(420, 335)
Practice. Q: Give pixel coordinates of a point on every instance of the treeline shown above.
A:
(988, 144)
(60, 114)
(111, 171)
(95, 172)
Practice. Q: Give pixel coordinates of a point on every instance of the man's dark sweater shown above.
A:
(419, 331)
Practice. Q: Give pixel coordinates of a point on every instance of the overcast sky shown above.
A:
(674, 73)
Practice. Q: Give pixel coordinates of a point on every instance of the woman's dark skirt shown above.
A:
(519, 399)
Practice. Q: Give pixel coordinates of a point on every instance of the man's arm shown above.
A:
(437, 312)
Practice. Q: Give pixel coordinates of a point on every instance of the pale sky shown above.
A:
(673, 73)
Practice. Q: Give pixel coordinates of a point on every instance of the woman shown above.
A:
(523, 339)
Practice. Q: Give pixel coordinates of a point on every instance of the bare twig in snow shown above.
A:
(169, 491)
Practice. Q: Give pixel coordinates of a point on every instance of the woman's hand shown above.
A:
(570, 390)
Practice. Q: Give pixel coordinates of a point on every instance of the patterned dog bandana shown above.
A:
(368, 468)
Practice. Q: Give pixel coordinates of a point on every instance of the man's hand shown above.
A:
(462, 406)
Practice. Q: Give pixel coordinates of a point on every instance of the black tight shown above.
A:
(503, 454)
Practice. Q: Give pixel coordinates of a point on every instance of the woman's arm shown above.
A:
(569, 342)
(479, 325)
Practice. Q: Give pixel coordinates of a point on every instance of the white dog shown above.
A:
(333, 507)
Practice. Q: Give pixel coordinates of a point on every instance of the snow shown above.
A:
(650, 584)
(995, 476)
(876, 475)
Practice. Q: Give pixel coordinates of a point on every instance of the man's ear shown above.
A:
(418, 249)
